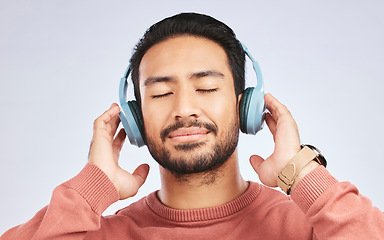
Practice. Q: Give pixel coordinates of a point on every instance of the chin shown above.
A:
(194, 159)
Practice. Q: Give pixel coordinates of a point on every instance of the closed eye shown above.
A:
(161, 95)
(207, 90)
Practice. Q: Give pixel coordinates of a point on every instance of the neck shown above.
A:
(203, 190)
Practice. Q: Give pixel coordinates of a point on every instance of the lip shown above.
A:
(190, 134)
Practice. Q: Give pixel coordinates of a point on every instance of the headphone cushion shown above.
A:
(244, 107)
(136, 113)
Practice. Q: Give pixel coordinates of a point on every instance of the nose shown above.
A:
(186, 106)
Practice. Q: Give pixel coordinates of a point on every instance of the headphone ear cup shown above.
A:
(244, 106)
(252, 111)
(136, 113)
(132, 121)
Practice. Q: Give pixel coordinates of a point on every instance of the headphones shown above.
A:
(252, 107)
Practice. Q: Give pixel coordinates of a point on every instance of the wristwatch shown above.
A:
(287, 176)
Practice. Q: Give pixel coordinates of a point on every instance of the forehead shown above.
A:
(180, 55)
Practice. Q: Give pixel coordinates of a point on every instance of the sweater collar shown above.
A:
(203, 214)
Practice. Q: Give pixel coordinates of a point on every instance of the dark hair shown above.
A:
(192, 24)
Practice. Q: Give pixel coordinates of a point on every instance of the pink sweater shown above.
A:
(320, 207)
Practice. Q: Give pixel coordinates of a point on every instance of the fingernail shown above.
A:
(114, 106)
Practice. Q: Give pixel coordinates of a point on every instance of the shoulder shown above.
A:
(135, 208)
(273, 200)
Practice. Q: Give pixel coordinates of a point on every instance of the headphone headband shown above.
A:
(256, 68)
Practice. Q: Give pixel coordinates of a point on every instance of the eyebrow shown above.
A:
(207, 74)
(152, 80)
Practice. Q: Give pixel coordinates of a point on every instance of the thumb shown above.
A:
(130, 183)
(141, 174)
(256, 161)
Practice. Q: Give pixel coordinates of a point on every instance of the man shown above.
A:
(188, 73)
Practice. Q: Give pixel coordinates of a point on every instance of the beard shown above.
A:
(193, 161)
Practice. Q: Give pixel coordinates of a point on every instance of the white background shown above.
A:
(61, 61)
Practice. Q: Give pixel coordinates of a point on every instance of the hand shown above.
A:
(105, 151)
(287, 142)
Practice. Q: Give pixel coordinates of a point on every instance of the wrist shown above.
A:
(95, 187)
(307, 159)
(307, 169)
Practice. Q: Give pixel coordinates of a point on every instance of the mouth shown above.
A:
(187, 131)
(187, 135)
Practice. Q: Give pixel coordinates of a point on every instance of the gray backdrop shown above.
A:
(61, 61)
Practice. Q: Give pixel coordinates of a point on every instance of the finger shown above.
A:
(119, 140)
(101, 121)
(113, 124)
(270, 123)
(264, 170)
(141, 174)
(101, 126)
(131, 183)
(256, 161)
(276, 108)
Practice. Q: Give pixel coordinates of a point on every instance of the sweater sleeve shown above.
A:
(75, 208)
(337, 210)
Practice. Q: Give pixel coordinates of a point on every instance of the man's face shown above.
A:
(189, 104)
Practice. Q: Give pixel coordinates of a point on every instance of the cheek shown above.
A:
(222, 112)
(154, 119)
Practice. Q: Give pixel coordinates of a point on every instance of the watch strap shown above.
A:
(287, 176)
(320, 159)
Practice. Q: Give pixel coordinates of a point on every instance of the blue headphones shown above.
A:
(252, 107)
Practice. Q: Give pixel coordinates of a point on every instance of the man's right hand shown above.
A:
(105, 150)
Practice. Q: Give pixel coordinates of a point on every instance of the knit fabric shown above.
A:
(320, 207)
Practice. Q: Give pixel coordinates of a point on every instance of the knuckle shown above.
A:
(134, 192)
(97, 123)
(285, 109)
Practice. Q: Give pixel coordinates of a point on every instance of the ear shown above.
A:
(239, 98)
(238, 106)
